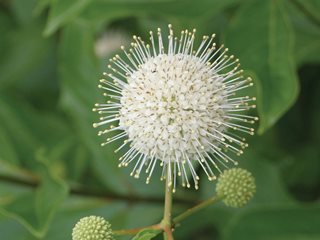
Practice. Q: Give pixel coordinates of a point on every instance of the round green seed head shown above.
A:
(236, 186)
(92, 228)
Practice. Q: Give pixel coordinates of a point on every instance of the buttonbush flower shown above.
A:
(92, 228)
(236, 186)
(172, 103)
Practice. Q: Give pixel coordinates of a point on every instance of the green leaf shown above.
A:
(78, 72)
(7, 150)
(310, 8)
(6, 24)
(41, 6)
(68, 214)
(270, 186)
(22, 10)
(15, 67)
(11, 229)
(104, 10)
(35, 211)
(62, 11)
(260, 35)
(146, 234)
(303, 171)
(276, 223)
(307, 34)
(26, 130)
(24, 144)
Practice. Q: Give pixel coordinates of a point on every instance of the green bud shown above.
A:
(236, 186)
(92, 228)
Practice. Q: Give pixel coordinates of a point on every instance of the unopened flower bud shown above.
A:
(236, 186)
(92, 228)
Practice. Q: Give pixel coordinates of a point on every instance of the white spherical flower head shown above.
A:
(176, 106)
(168, 107)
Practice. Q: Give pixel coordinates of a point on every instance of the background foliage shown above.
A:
(52, 168)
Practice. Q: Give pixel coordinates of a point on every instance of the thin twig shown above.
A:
(196, 208)
(134, 231)
(82, 191)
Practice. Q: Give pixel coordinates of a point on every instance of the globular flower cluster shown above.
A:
(236, 186)
(92, 228)
(168, 102)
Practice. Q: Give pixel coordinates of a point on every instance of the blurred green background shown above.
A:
(52, 168)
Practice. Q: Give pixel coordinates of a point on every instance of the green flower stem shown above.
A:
(196, 208)
(134, 231)
(166, 222)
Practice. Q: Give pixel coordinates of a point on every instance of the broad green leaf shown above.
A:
(6, 25)
(310, 8)
(301, 167)
(26, 58)
(41, 6)
(152, 213)
(22, 10)
(303, 170)
(27, 63)
(27, 133)
(36, 210)
(7, 150)
(276, 223)
(67, 215)
(77, 207)
(12, 122)
(26, 130)
(270, 186)
(205, 224)
(188, 10)
(103, 11)
(307, 35)
(79, 73)
(146, 234)
(261, 36)
(62, 11)
(11, 229)
(315, 127)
